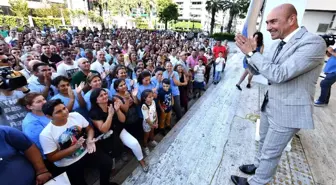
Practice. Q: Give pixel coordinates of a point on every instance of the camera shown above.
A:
(10, 79)
(329, 39)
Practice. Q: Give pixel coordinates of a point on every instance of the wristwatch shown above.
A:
(250, 54)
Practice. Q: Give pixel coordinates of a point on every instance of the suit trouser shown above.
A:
(273, 140)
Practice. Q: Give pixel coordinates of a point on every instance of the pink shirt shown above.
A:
(192, 62)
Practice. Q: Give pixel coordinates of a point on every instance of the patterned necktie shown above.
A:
(279, 48)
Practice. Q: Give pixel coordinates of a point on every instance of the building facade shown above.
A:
(194, 11)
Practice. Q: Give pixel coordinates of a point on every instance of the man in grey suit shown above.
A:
(292, 70)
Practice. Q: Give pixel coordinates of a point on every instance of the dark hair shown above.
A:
(93, 97)
(58, 80)
(44, 45)
(144, 95)
(159, 69)
(260, 39)
(116, 70)
(28, 99)
(166, 81)
(48, 108)
(36, 66)
(143, 75)
(116, 83)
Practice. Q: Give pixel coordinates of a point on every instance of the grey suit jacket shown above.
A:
(293, 75)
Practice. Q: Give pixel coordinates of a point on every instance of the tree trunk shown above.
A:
(230, 22)
(212, 23)
(100, 6)
(166, 25)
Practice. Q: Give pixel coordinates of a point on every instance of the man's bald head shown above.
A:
(282, 21)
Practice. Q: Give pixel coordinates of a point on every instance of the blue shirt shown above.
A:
(88, 95)
(128, 84)
(142, 88)
(14, 166)
(331, 65)
(32, 126)
(66, 100)
(156, 82)
(165, 99)
(174, 88)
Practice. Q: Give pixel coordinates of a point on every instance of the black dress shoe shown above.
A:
(238, 87)
(248, 169)
(248, 86)
(239, 180)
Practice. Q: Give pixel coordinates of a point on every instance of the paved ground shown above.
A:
(214, 138)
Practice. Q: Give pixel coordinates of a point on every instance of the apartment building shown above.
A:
(194, 10)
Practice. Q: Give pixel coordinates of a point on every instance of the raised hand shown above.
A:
(79, 88)
(71, 93)
(111, 110)
(47, 80)
(135, 92)
(117, 105)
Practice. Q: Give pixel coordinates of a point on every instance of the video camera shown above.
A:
(10, 79)
(329, 39)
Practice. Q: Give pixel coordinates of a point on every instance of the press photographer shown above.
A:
(12, 87)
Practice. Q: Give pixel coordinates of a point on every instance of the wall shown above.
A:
(312, 19)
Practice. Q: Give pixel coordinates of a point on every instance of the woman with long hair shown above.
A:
(183, 77)
(108, 115)
(260, 48)
(95, 82)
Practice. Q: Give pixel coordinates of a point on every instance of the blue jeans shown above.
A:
(326, 84)
(217, 76)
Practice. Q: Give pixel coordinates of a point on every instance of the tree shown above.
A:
(162, 4)
(213, 6)
(19, 8)
(236, 8)
(168, 14)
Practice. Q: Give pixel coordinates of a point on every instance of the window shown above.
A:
(180, 15)
(179, 3)
(322, 28)
(196, 3)
(332, 21)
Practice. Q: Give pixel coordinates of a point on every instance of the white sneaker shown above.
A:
(153, 143)
(146, 150)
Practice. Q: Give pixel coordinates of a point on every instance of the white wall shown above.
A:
(312, 19)
(300, 6)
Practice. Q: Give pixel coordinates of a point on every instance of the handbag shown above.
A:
(61, 179)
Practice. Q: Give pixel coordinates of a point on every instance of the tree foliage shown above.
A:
(214, 6)
(236, 8)
(169, 13)
(19, 7)
(162, 4)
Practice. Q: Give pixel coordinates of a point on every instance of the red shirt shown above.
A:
(218, 49)
(205, 60)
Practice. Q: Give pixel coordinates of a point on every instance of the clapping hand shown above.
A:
(79, 88)
(111, 110)
(135, 92)
(117, 105)
(246, 45)
(47, 79)
(71, 93)
(91, 146)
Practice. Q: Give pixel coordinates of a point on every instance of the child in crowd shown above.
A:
(150, 121)
(220, 62)
(199, 84)
(166, 103)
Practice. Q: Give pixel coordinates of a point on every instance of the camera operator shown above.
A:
(329, 80)
(42, 84)
(11, 114)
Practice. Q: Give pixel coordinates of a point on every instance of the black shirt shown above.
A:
(54, 59)
(96, 113)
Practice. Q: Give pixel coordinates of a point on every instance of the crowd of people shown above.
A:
(92, 92)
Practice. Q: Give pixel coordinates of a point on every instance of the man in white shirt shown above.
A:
(11, 36)
(68, 67)
(26, 58)
(173, 57)
(100, 65)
